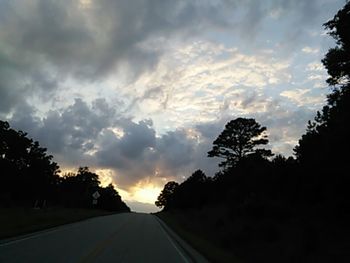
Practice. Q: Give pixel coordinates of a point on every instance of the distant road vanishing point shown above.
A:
(127, 237)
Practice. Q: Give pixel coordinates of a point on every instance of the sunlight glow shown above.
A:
(85, 4)
(105, 176)
(146, 194)
(117, 131)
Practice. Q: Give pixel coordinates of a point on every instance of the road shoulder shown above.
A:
(189, 251)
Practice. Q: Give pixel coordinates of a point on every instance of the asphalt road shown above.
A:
(128, 237)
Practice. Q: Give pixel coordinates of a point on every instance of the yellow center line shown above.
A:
(98, 249)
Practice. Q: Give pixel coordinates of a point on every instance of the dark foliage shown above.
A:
(193, 192)
(165, 198)
(76, 190)
(239, 140)
(284, 209)
(27, 172)
(111, 200)
(29, 177)
(322, 151)
(337, 60)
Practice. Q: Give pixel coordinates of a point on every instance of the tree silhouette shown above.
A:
(77, 190)
(111, 200)
(28, 177)
(327, 134)
(87, 178)
(255, 209)
(27, 171)
(337, 59)
(193, 192)
(239, 139)
(165, 197)
(198, 177)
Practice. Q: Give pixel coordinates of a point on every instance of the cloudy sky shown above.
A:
(138, 90)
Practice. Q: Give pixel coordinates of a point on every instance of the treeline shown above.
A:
(293, 209)
(29, 177)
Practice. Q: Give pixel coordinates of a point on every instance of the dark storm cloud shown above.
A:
(11, 89)
(44, 41)
(131, 156)
(175, 149)
(25, 119)
(95, 135)
(127, 149)
(76, 125)
(69, 133)
(137, 137)
(88, 42)
(139, 154)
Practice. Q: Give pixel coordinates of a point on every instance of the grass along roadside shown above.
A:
(199, 242)
(19, 220)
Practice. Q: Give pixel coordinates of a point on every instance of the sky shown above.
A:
(138, 90)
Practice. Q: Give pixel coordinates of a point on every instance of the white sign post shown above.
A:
(95, 196)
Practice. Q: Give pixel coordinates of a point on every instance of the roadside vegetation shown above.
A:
(261, 207)
(34, 196)
(16, 221)
(195, 233)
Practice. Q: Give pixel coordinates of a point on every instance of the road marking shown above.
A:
(98, 249)
(172, 242)
(30, 237)
(43, 232)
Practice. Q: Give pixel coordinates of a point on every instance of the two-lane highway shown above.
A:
(128, 237)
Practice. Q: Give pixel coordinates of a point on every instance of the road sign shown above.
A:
(94, 202)
(96, 195)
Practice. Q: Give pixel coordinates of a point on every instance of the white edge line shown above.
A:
(172, 242)
(44, 232)
(26, 238)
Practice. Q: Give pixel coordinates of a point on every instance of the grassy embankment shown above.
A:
(221, 236)
(18, 220)
(192, 227)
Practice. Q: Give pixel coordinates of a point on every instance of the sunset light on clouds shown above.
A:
(138, 90)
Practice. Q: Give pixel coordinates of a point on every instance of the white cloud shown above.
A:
(310, 50)
(316, 77)
(303, 97)
(315, 66)
(194, 81)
